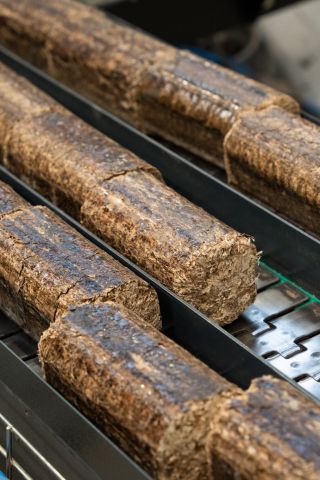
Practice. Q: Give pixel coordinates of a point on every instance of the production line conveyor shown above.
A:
(43, 436)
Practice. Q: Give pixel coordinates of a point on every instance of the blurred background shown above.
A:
(276, 42)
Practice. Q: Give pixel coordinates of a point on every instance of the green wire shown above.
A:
(283, 279)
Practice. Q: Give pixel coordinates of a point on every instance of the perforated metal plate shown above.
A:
(269, 304)
(289, 341)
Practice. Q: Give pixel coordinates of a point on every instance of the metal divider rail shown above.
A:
(209, 342)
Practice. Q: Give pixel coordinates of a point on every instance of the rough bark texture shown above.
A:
(101, 58)
(80, 46)
(64, 158)
(46, 267)
(165, 91)
(19, 100)
(124, 200)
(274, 156)
(147, 393)
(206, 262)
(10, 201)
(24, 27)
(194, 102)
(271, 431)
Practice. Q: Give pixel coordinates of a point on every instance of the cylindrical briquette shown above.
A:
(194, 102)
(82, 47)
(275, 156)
(267, 432)
(207, 263)
(200, 258)
(148, 394)
(64, 158)
(19, 100)
(175, 94)
(46, 267)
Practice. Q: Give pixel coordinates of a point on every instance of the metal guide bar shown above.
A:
(279, 239)
(187, 323)
(12, 464)
(22, 460)
(14, 467)
(114, 126)
(152, 151)
(11, 434)
(54, 440)
(289, 299)
(312, 118)
(207, 341)
(282, 321)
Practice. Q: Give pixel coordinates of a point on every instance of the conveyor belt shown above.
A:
(285, 246)
(282, 325)
(44, 414)
(248, 329)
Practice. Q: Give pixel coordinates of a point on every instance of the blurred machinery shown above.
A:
(274, 41)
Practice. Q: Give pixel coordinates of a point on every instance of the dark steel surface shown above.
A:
(209, 342)
(279, 239)
(286, 333)
(48, 414)
(35, 366)
(270, 303)
(191, 329)
(22, 345)
(75, 447)
(7, 326)
(311, 386)
(305, 363)
(265, 278)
